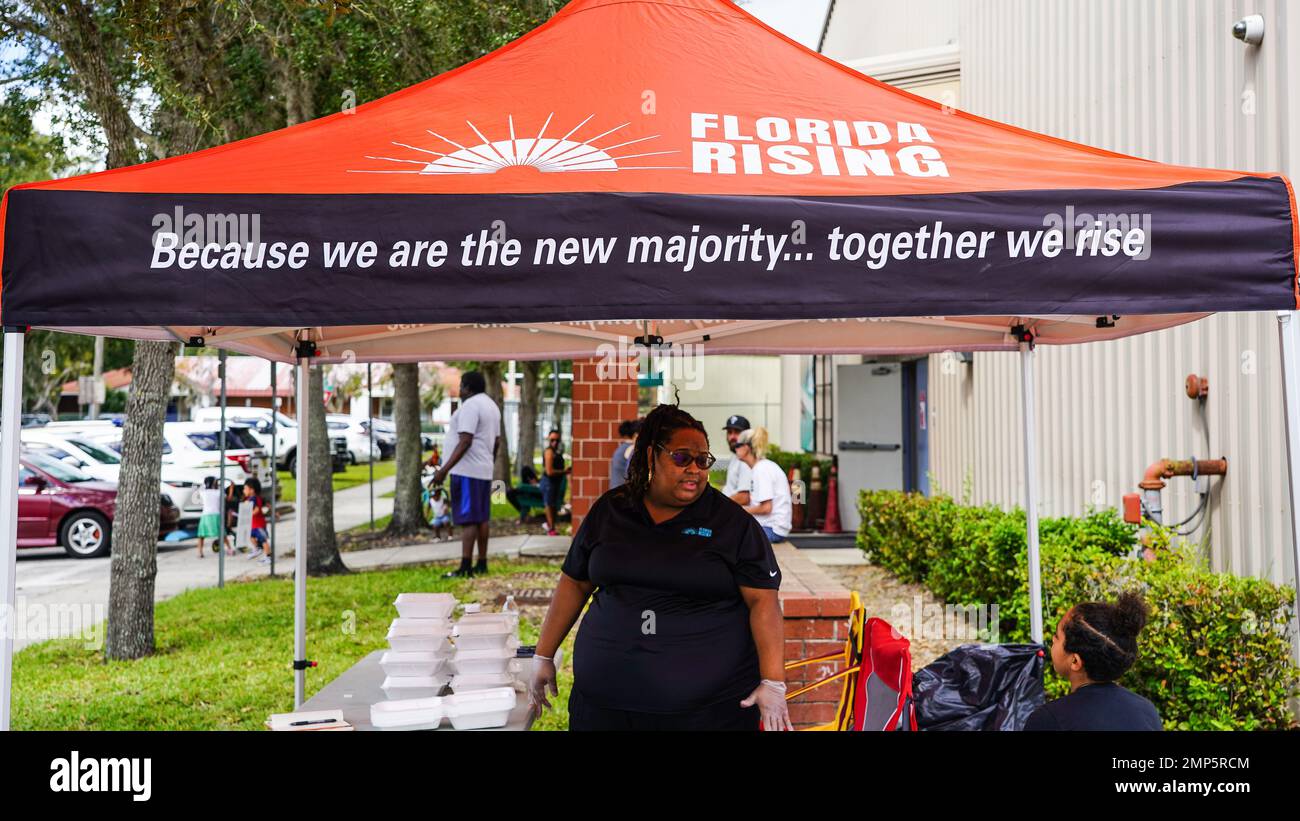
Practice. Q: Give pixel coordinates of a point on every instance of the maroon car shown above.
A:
(60, 505)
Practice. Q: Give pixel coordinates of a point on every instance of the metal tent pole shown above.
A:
(221, 471)
(1288, 326)
(10, 424)
(275, 465)
(300, 538)
(1031, 484)
(370, 439)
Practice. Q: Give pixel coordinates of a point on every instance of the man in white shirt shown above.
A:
(738, 481)
(477, 426)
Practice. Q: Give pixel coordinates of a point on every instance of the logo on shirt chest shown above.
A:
(697, 531)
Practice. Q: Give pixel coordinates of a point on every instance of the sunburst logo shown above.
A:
(542, 153)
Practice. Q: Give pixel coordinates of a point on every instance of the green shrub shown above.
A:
(1216, 653)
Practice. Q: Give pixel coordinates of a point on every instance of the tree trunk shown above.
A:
(529, 402)
(408, 515)
(322, 550)
(492, 373)
(135, 521)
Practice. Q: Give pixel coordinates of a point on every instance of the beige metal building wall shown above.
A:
(872, 28)
(1162, 79)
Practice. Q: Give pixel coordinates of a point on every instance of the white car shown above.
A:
(195, 445)
(101, 462)
(259, 422)
(286, 433)
(201, 441)
(360, 447)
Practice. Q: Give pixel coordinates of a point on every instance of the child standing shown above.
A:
(257, 530)
(210, 519)
(441, 516)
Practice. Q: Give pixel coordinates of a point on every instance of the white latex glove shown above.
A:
(540, 680)
(770, 697)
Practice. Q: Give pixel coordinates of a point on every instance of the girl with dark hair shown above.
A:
(1095, 644)
(210, 519)
(684, 631)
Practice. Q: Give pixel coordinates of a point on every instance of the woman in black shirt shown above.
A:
(1095, 644)
(684, 629)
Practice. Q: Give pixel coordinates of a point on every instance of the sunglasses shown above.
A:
(683, 457)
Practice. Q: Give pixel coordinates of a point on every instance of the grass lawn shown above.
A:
(222, 659)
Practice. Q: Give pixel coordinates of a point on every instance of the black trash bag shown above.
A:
(980, 687)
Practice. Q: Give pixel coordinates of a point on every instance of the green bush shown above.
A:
(1215, 655)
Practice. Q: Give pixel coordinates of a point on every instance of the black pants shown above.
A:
(725, 715)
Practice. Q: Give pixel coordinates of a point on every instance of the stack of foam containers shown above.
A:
(415, 666)
(485, 646)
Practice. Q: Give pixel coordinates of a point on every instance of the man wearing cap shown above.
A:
(738, 476)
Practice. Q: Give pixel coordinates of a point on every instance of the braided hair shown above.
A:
(656, 429)
(1105, 635)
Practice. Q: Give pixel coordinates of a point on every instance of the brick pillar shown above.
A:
(599, 404)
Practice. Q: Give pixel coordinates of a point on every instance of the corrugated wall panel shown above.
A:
(1162, 79)
(874, 28)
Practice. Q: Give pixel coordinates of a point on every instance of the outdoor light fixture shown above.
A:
(1249, 29)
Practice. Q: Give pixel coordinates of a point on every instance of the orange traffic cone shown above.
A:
(832, 524)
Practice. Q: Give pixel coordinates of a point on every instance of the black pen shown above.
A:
(313, 721)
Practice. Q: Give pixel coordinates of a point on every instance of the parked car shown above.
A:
(204, 437)
(101, 462)
(194, 446)
(360, 448)
(61, 505)
(286, 434)
(385, 436)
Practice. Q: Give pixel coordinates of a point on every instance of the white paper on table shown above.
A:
(281, 722)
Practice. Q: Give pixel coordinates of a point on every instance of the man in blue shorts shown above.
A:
(476, 424)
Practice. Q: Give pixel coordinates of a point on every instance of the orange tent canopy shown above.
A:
(675, 131)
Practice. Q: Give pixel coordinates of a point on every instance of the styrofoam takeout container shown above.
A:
(411, 664)
(420, 635)
(407, 714)
(425, 605)
(511, 620)
(483, 636)
(467, 682)
(480, 709)
(398, 687)
(494, 660)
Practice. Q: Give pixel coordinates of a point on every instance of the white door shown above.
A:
(869, 417)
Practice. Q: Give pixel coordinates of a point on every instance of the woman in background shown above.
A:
(618, 461)
(769, 491)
